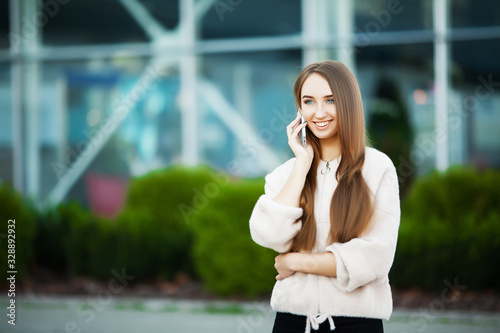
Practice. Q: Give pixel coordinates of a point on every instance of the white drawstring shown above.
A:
(314, 322)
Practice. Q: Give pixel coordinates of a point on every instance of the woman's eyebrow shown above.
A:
(307, 96)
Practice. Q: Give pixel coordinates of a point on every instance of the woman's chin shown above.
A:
(324, 136)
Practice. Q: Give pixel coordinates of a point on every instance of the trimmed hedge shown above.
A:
(71, 239)
(14, 207)
(195, 220)
(450, 228)
(155, 221)
(150, 238)
(227, 259)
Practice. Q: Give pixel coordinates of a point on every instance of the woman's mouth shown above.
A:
(323, 124)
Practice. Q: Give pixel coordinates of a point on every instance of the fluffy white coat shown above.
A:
(361, 288)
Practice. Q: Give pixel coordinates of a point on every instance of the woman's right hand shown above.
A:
(293, 132)
(290, 194)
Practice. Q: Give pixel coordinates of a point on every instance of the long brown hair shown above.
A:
(351, 206)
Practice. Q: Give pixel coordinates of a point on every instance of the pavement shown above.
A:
(106, 314)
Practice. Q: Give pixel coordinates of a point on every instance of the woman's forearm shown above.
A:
(291, 191)
(314, 263)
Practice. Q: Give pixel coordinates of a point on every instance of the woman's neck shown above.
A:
(330, 148)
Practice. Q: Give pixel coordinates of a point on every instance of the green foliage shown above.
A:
(225, 256)
(71, 238)
(194, 219)
(15, 208)
(89, 245)
(156, 239)
(51, 232)
(450, 227)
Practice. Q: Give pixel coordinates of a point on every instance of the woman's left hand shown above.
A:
(281, 264)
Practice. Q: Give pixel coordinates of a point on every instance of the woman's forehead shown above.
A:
(316, 86)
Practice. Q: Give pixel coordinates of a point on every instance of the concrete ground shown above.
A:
(105, 314)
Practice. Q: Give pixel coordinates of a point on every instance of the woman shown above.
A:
(332, 211)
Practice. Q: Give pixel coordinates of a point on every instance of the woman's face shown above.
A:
(318, 107)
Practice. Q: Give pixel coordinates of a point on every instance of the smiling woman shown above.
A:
(332, 211)
(320, 108)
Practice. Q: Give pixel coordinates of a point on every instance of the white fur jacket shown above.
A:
(361, 288)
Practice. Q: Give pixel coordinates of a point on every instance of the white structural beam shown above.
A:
(69, 175)
(314, 30)
(142, 16)
(236, 123)
(308, 12)
(156, 68)
(188, 76)
(250, 44)
(24, 45)
(345, 32)
(16, 76)
(441, 79)
(202, 7)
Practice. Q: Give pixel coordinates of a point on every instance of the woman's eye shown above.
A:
(330, 101)
(308, 101)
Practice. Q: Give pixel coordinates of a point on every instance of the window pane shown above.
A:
(468, 13)
(231, 19)
(78, 107)
(80, 22)
(391, 15)
(476, 102)
(4, 24)
(259, 89)
(396, 84)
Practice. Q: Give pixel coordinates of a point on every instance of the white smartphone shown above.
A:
(303, 138)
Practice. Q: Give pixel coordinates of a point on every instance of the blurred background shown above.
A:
(215, 71)
(132, 125)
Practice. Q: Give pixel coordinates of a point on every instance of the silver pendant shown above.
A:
(327, 169)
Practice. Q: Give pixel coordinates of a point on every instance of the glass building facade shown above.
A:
(100, 91)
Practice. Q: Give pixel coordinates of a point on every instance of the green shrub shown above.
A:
(450, 228)
(14, 207)
(70, 238)
(156, 238)
(78, 232)
(50, 235)
(225, 256)
(81, 233)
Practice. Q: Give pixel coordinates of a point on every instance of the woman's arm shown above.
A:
(291, 191)
(273, 220)
(362, 260)
(315, 263)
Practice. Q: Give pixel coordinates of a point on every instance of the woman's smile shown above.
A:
(323, 124)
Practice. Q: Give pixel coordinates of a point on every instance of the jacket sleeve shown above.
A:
(368, 259)
(272, 224)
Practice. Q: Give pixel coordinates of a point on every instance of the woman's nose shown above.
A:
(320, 111)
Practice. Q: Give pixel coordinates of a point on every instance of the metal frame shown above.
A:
(183, 55)
(275, 43)
(441, 77)
(24, 81)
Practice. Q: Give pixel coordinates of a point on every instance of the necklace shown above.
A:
(327, 169)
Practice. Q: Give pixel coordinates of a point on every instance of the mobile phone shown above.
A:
(303, 138)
